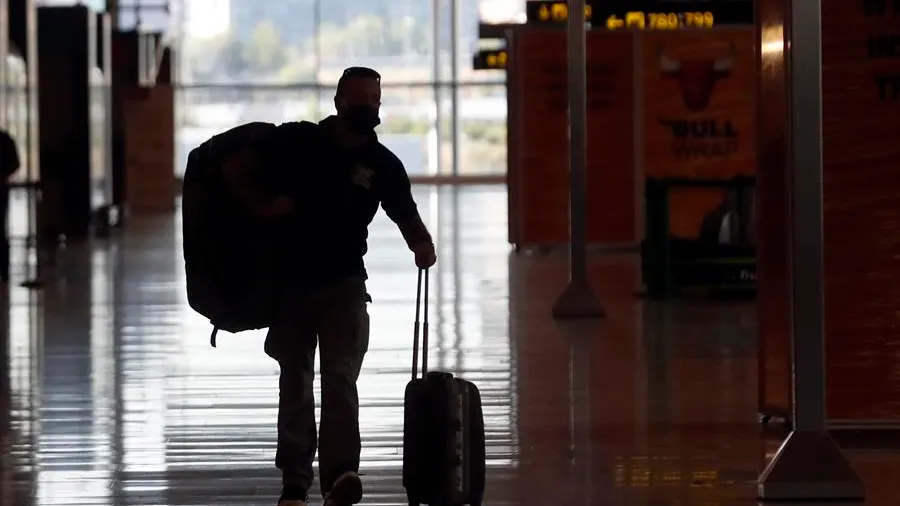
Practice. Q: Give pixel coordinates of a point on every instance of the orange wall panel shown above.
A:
(695, 116)
(699, 114)
(861, 214)
(150, 149)
(699, 105)
(538, 77)
(773, 215)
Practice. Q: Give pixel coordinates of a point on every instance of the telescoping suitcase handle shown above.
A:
(421, 309)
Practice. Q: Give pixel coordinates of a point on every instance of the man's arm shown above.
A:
(415, 233)
(397, 202)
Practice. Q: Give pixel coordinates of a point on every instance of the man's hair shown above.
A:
(355, 72)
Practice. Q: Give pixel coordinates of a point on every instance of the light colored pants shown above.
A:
(334, 316)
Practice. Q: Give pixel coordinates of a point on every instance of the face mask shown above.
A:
(360, 119)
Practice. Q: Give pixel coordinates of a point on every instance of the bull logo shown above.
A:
(697, 78)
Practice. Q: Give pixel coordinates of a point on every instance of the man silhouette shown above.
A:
(331, 180)
(9, 165)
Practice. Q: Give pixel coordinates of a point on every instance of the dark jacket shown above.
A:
(337, 192)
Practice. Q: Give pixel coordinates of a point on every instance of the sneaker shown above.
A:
(346, 491)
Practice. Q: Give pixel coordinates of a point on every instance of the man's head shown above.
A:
(358, 99)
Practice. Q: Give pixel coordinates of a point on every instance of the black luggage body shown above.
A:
(443, 442)
(443, 432)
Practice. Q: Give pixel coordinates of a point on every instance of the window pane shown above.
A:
(471, 13)
(204, 112)
(392, 36)
(482, 130)
(407, 125)
(97, 5)
(445, 130)
(152, 18)
(468, 75)
(148, 15)
(18, 117)
(101, 140)
(248, 41)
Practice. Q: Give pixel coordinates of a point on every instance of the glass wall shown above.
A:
(16, 114)
(279, 60)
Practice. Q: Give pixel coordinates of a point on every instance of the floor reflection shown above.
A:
(112, 396)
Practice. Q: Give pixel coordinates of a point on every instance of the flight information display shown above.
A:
(490, 59)
(647, 14)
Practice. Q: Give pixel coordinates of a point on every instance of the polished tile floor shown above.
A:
(112, 395)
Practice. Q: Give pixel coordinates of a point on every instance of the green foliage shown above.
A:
(489, 132)
(208, 59)
(493, 132)
(404, 125)
(273, 52)
(265, 52)
(265, 56)
(368, 36)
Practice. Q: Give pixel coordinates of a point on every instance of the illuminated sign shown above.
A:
(639, 20)
(647, 14)
(551, 12)
(490, 60)
(672, 14)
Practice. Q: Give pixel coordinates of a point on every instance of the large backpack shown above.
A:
(228, 253)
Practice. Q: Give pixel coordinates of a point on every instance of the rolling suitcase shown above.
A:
(443, 429)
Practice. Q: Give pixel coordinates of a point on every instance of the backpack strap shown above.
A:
(212, 336)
